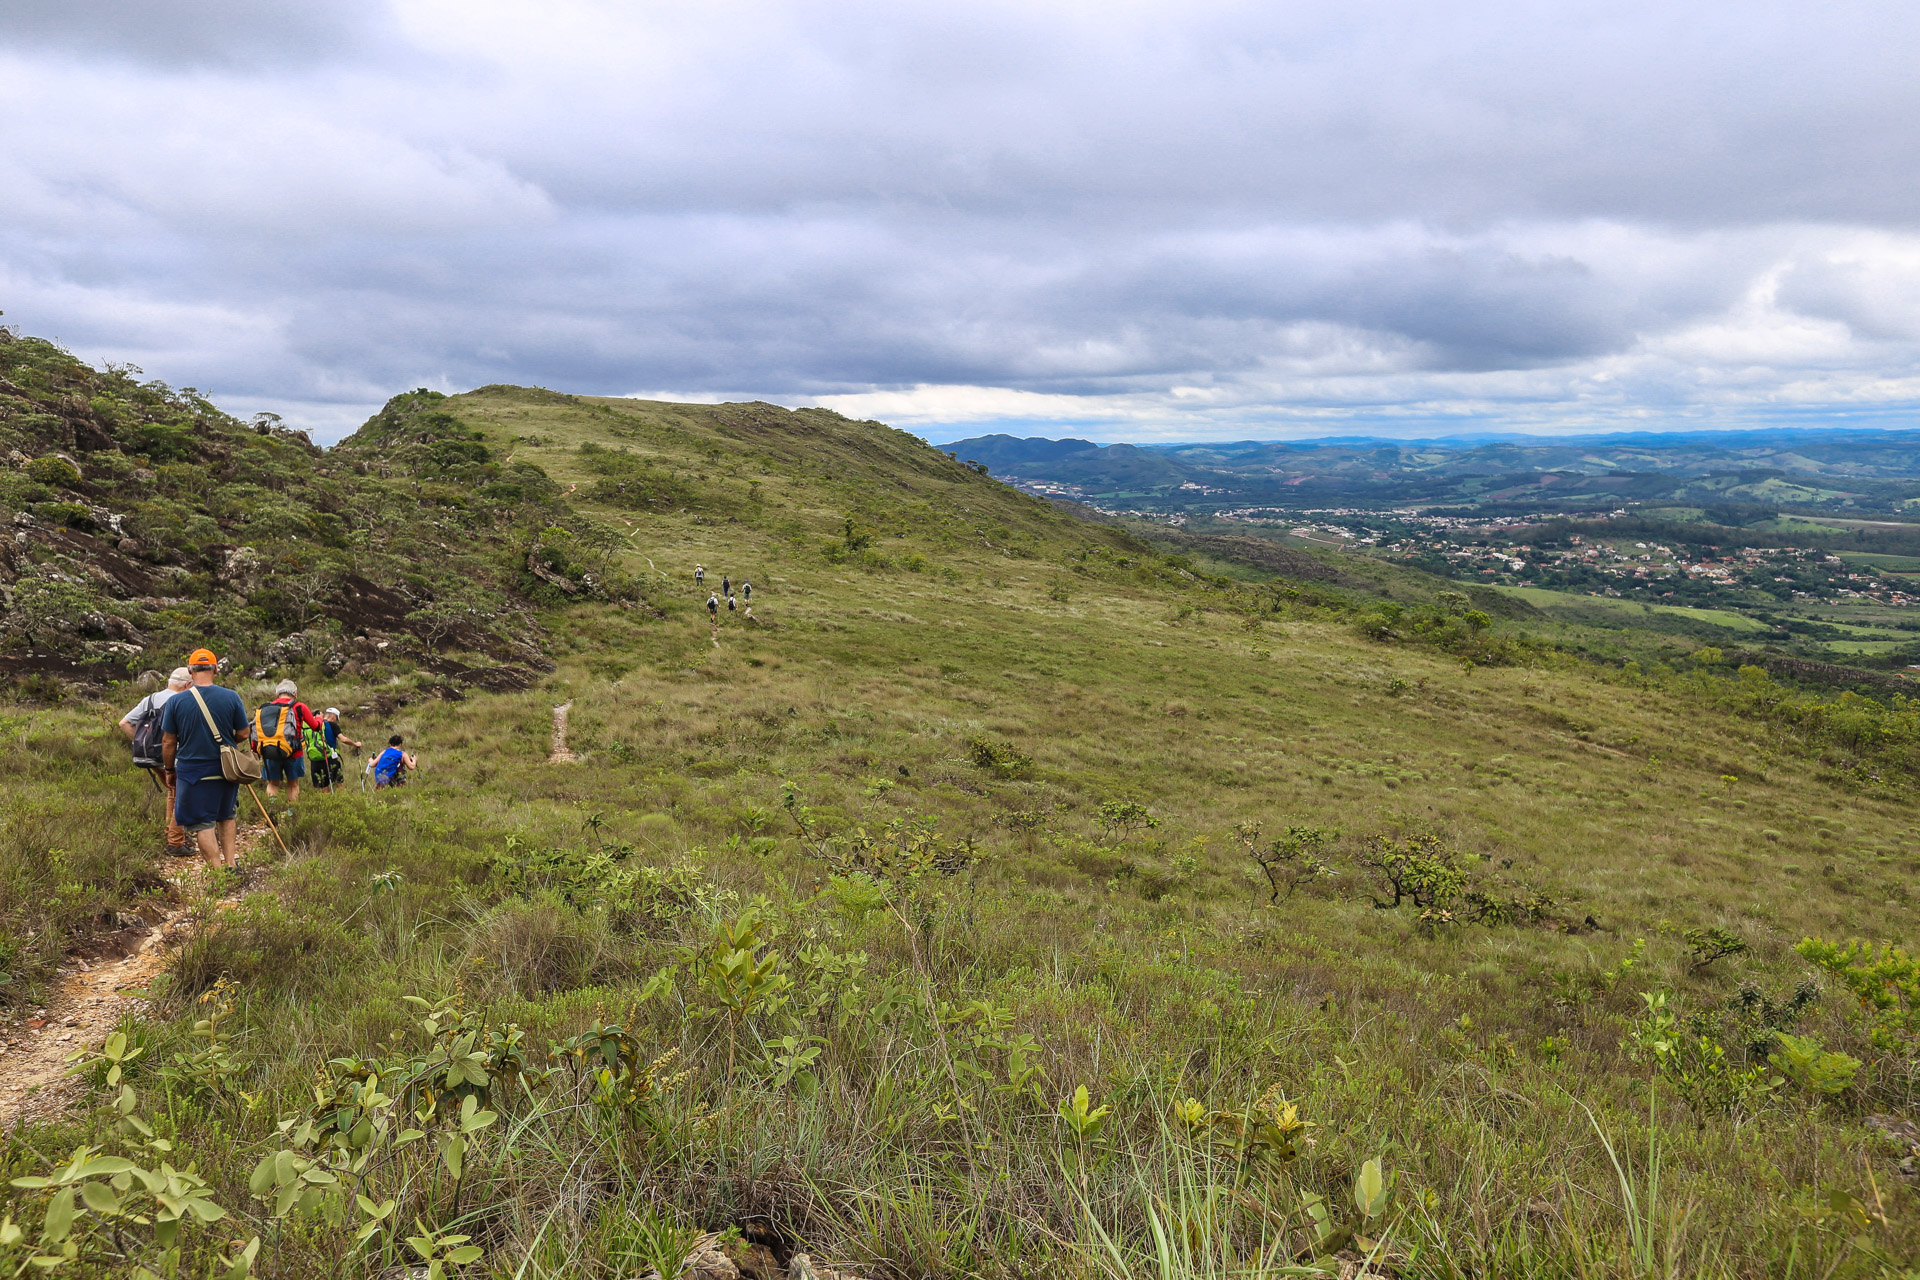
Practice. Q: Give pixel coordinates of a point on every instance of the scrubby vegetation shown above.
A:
(1010, 899)
(144, 521)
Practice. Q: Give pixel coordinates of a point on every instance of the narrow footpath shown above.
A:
(102, 981)
(561, 754)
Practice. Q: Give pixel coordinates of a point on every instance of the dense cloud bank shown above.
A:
(1144, 221)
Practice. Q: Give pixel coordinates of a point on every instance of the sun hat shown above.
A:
(202, 659)
(286, 686)
(331, 711)
(180, 676)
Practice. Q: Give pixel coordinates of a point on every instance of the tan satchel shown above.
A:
(237, 764)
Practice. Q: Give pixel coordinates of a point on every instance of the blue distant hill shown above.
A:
(1858, 469)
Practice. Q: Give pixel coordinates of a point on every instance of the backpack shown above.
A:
(146, 739)
(283, 743)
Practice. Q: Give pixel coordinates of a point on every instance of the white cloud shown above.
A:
(1154, 219)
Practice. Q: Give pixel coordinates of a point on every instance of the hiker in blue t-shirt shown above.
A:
(194, 725)
(391, 767)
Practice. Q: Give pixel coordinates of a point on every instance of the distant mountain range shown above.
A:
(1866, 470)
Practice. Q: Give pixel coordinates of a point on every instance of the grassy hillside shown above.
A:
(831, 915)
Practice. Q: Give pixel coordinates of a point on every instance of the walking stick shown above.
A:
(263, 813)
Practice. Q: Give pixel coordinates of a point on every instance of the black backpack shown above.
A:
(146, 739)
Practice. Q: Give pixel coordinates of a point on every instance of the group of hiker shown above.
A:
(202, 749)
(733, 603)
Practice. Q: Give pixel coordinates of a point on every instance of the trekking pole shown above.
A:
(263, 813)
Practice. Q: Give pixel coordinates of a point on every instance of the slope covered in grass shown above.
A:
(837, 910)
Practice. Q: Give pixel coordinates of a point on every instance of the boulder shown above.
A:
(705, 1261)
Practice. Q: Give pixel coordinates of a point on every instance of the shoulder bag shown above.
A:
(237, 764)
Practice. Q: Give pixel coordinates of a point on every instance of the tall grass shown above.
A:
(1483, 1065)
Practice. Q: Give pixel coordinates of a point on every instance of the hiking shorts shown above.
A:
(289, 770)
(398, 778)
(201, 804)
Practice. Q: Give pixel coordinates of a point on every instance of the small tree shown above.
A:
(858, 536)
(1419, 868)
(1121, 818)
(1290, 860)
(1704, 946)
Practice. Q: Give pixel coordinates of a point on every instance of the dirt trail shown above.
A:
(91, 995)
(561, 755)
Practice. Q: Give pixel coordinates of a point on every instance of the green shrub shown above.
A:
(72, 514)
(998, 758)
(534, 946)
(262, 945)
(165, 441)
(1803, 1061)
(1417, 868)
(46, 609)
(56, 472)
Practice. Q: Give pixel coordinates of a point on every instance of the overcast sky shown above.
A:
(1181, 220)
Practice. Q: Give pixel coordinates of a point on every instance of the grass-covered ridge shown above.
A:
(850, 904)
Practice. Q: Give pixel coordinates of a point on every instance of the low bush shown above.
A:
(264, 947)
(538, 945)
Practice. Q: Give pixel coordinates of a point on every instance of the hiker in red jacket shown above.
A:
(276, 735)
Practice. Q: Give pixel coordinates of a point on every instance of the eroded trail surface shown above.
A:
(94, 990)
(561, 754)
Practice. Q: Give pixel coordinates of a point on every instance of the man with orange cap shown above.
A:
(194, 726)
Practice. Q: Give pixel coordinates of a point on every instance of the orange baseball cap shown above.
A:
(202, 658)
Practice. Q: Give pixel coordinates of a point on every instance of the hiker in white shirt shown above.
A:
(149, 707)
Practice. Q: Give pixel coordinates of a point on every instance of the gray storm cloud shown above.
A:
(1151, 220)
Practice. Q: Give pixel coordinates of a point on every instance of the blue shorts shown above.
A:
(283, 770)
(199, 805)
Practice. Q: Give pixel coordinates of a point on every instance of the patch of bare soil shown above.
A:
(96, 989)
(561, 753)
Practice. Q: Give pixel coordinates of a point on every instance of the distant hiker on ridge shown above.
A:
(726, 585)
(699, 575)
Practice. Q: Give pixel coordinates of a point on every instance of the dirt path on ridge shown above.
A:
(561, 754)
(91, 993)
